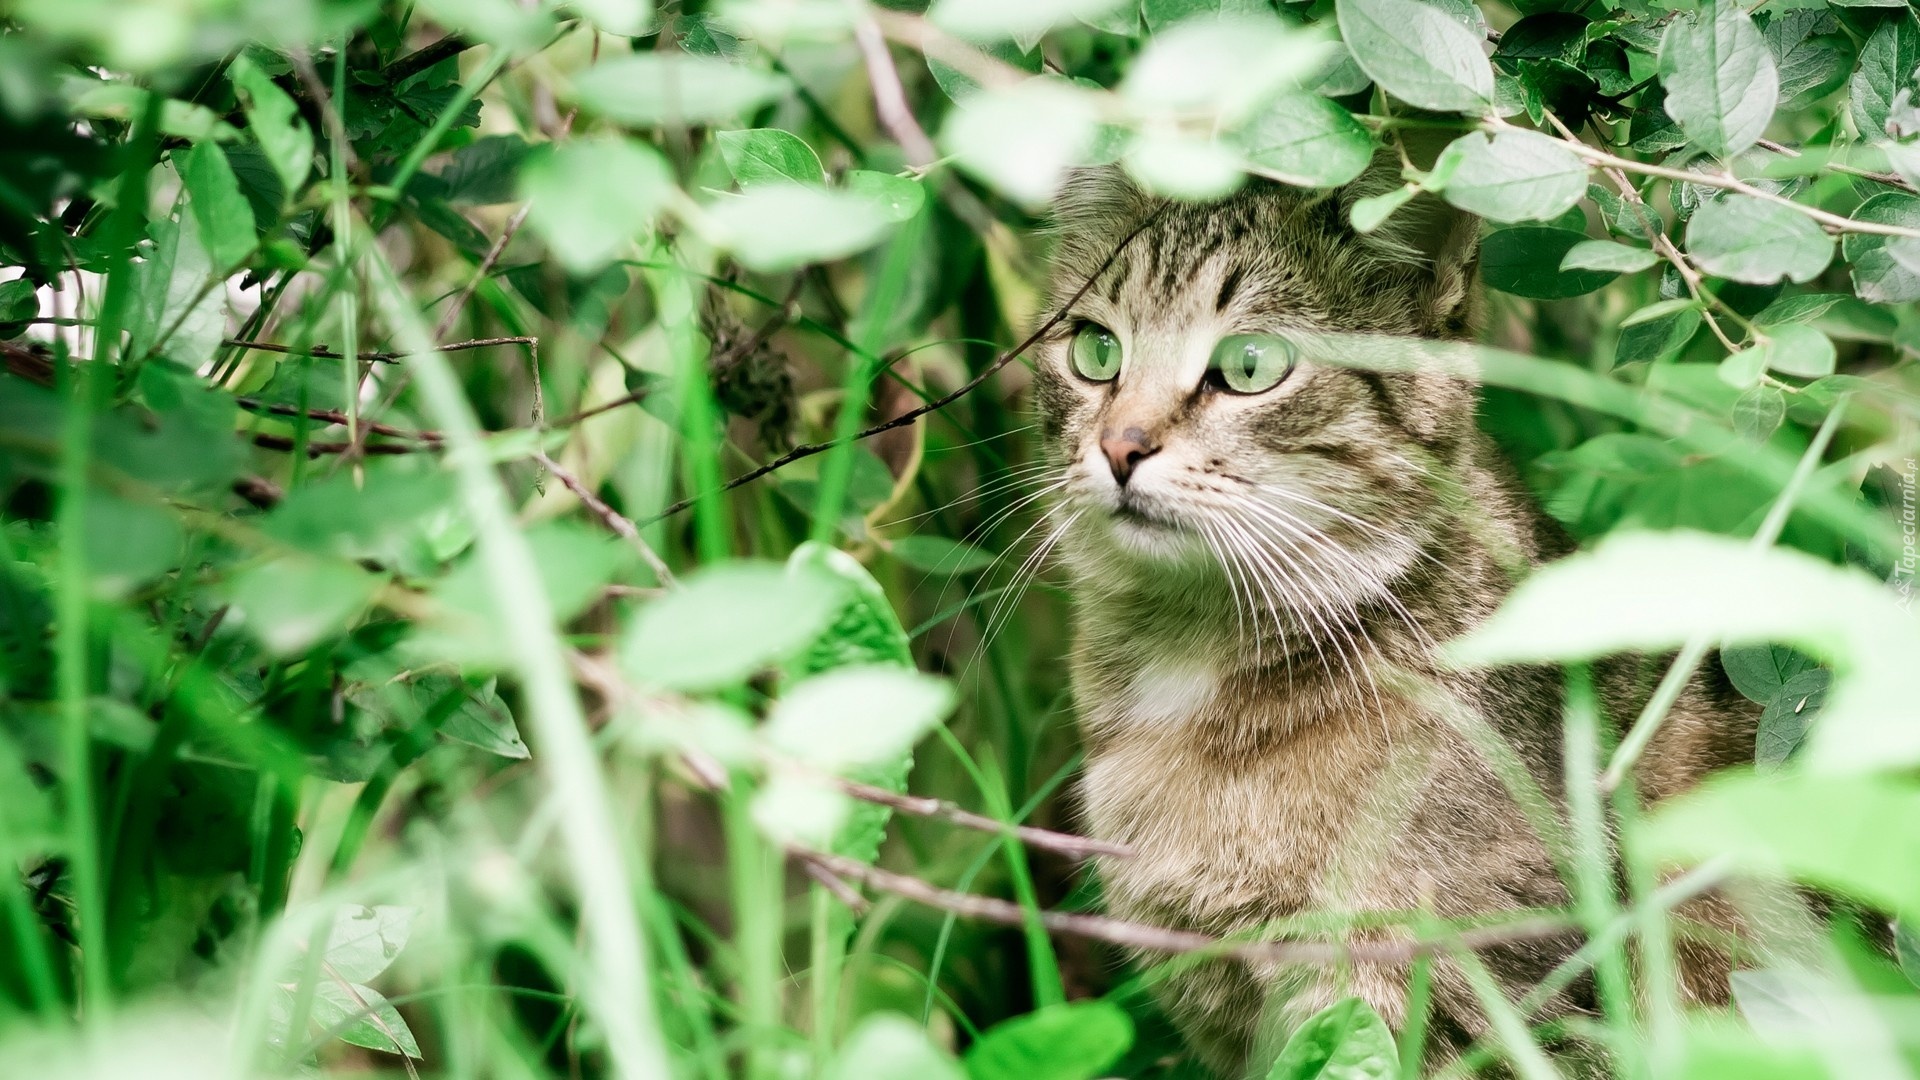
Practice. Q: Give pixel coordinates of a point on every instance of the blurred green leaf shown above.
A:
(664, 89)
(939, 555)
(1344, 1041)
(1023, 139)
(994, 20)
(362, 1016)
(896, 197)
(364, 940)
(1418, 54)
(780, 227)
(1078, 1040)
(1721, 83)
(888, 1046)
(274, 122)
(591, 197)
(1515, 175)
(1744, 238)
(857, 715)
(224, 217)
(709, 633)
(292, 603)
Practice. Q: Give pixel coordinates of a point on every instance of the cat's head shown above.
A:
(1181, 398)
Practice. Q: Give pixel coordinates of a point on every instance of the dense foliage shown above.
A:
(375, 375)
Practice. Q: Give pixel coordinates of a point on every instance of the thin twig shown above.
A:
(316, 449)
(324, 353)
(809, 449)
(333, 416)
(1889, 179)
(889, 99)
(425, 57)
(1075, 847)
(620, 525)
(1162, 939)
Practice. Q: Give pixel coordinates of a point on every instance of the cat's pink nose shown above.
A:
(1125, 450)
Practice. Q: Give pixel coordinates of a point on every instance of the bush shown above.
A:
(390, 384)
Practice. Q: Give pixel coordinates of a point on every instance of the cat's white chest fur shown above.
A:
(1168, 691)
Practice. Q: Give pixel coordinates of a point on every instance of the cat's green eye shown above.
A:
(1250, 363)
(1096, 352)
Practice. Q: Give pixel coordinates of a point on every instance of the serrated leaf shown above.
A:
(1417, 53)
(1746, 238)
(592, 196)
(1609, 256)
(712, 631)
(763, 155)
(857, 716)
(1515, 175)
(1307, 141)
(224, 216)
(1721, 83)
(665, 89)
(1075, 1041)
(1344, 1041)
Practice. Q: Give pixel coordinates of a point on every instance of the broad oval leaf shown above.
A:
(1746, 238)
(1877, 274)
(649, 89)
(713, 630)
(1230, 66)
(888, 1046)
(1525, 260)
(896, 197)
(1799, 350)
(1608, 256)
(1022, 139)
(998, 20)
(857, 716)
(782, 226)
(592, 196)
(1344, 1041)
(1075, 1041)
(1657, 330)
(761, 155)
(1721, 83)
(1418, 53)
(1515, 175)
(1307, 141)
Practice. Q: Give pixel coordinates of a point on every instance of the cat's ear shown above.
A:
(1098, 200)
(1428, 234)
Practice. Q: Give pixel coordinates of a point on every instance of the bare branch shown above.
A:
(615, 521)
(1074, 847)
(889, 99)
(1162, 939)
(374, 356)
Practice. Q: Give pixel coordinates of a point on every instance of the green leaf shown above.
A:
(1229, 68)
(997, 20)
(1525, 260)
(592, 196)
(1887, 66)
(481, 719)
(1877, 274)
(181, 318)
(1372, 211)
(1721, 83)
(1744, 368)
(627, 18)
(1344, 1041)
(1745, 238)
(1022, 139)
(1608, 256)
(1417, 53)
(939, 555)
(293, 602)
(1800, 350)
(364, 940)
(1784, 722)
(857, 716)
(224, 216)
(1515, 175)
(761, 155)
(888, 1046)
(1758, 412)
(274, 121)
(1657, 330)
(1075, 1041)
(1799, 307)
(1822, 830)
(1186, 166)
(129, 542)
(487, 170)
(1759, 671)
(1307, 141)
(1810, 53)
(665, 89)
(779, 227)
(19, 301)
(713, 631)
(362, 1016)
(897, 198)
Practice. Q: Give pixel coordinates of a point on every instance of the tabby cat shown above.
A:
(1266, 553)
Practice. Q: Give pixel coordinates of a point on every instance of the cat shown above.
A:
(1265, 555)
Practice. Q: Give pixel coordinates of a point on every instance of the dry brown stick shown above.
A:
(1162, 939)
(606, 406)
(620, 525)
(333, 416)
(324, 353)
(889, 99)
(1076, 847)
(807, 450)
(316, 449)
